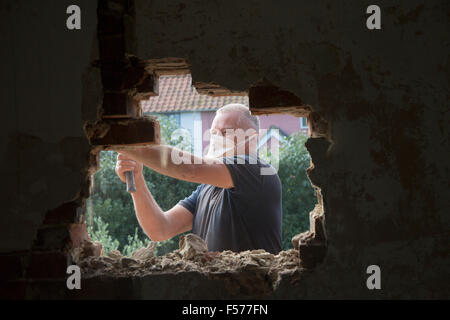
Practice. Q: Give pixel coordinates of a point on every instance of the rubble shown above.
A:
(192, 256)
(192, 246)
(115, 254)
(87, 249)
(144, 254)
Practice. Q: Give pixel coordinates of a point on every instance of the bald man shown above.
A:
(237, 205)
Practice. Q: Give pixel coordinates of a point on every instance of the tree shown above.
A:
(298, 196)
(297, 193)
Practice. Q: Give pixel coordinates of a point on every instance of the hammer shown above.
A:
(115, 134)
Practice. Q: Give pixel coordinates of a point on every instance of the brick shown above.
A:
(117, 77)
(127, 132)
(47, 265)
(13, 290)
(112, 6)
(52, 238)
(266, 95)
(12, 266)
(78, 234)
(53, 289)
(311, 254)
(147, 84)
(66, 213)
(318, 227)
(113, 77)
(112, 48)
(110, 24)
(120, 105)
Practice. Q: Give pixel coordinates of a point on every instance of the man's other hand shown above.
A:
(125, 164)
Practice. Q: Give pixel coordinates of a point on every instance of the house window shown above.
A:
(303, 123)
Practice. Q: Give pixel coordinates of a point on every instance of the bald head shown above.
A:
(236, 123)
(241, 115)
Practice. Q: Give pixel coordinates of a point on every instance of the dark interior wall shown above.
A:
(383, 174)
(43, 145)
(385, 95)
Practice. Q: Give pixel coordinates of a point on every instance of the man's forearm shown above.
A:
(149, 214)
(159, 158)
(182, 165)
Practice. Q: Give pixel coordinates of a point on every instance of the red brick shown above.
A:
(52, 238)
(13, 290)
(110, 23)
(112, 48)
(311, 254)
(119, 105)
(130, 132)
(78, 234)
(47, 265)
(112, 6)
(66, 213)
(116, 77)
(12, 266)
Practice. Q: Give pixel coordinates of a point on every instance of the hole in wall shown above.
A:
(110, 212)
(128, 80)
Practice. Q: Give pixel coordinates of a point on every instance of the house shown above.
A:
(195, 112)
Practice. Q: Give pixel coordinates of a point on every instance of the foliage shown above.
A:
(134, 243)
(297, 193)
(110, 213)
(99, 232)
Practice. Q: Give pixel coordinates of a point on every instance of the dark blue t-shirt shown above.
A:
(245, 217)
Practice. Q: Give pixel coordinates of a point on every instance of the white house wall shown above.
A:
(192, 121)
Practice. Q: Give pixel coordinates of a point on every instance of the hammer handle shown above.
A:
(131, 187)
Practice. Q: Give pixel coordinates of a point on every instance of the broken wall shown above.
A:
(379, 163)
(385, 96)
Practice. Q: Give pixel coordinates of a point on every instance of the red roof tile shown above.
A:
(176, 93)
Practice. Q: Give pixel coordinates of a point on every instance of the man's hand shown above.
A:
(125, 164)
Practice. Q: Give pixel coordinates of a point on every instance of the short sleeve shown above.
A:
(190, 202)
(245, 174)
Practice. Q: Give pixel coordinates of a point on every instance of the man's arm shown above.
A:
(157, 224)
(159, 158)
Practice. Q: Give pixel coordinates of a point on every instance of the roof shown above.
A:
(176, 93)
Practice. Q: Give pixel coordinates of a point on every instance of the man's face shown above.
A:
(230, 125)
(228, 120)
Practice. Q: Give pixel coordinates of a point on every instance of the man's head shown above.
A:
(235, 123)
(235, 116)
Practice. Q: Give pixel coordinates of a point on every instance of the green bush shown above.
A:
(298, 196)
(99, 232)
(134, 243)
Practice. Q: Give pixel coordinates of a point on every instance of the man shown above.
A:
(238, 203)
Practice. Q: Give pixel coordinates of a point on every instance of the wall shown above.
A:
(384, 95)
(381, 171)
(44, 151)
